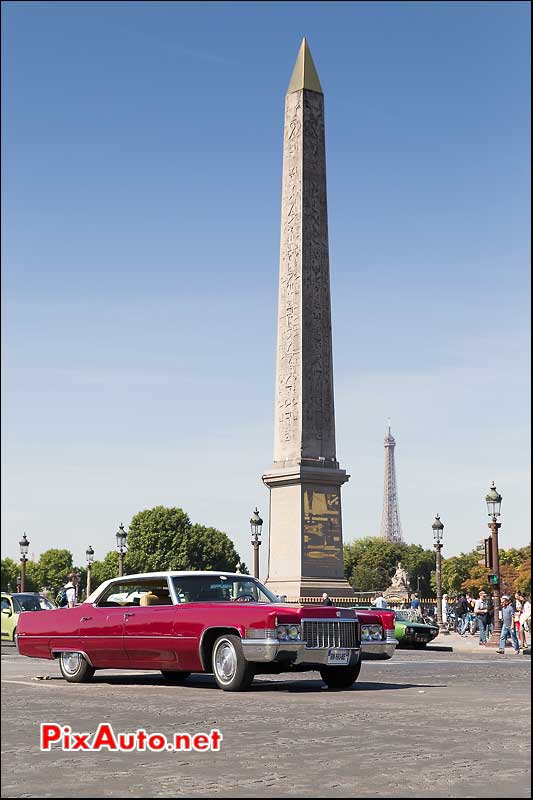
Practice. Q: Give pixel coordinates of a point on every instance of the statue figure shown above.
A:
(400, 579)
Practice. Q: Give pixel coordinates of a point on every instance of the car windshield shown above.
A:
(31, 602)
(406, 616)
(221, 589)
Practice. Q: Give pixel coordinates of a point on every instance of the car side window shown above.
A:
(6, 604)
(126, 594)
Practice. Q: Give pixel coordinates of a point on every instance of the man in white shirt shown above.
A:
(379, 601)
(481, 608)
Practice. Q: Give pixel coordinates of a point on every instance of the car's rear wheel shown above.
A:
(15, 638)
(75, 668)
(340, 677)
(231, 670)
(174, 677)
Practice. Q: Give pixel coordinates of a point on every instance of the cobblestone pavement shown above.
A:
(424, 724)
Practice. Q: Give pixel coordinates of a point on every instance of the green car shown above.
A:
(409, 629)
(410, 633)
(15, 604)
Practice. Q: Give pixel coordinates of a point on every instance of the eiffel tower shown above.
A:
(391, 529)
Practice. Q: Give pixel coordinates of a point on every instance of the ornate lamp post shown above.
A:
(494, 504)
(121, 547)
(24, 547)
(89, 556)
(438, 529)
(256, 524)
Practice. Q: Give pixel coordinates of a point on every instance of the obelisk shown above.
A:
(305, 555)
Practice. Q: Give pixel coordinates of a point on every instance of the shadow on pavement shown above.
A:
(259, 685)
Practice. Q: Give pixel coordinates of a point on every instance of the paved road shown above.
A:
(424, 724)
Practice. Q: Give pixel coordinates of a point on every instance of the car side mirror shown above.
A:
(7, 612)
(282, 598)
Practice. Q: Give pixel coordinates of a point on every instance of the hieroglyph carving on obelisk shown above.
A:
(305, 513)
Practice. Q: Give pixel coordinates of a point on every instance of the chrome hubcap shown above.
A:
(71, 662)
(225, 661)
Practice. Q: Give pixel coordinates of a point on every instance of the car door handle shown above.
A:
(85, 619)
(129, 614)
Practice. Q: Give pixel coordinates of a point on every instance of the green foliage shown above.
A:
(104, 570)
(456, 570)
(10, 571)
(370, 563)
(164, 538)
(54, 567)
(33, 577)
(465, 572)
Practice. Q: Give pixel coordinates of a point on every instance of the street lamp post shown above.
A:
(89, 555)
(494, 503)
(438, 529)
(256, 524)
(121, 547)
(24, 547)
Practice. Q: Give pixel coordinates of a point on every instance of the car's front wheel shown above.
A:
(74, 668)
(231, 670)
(174, 677)
(340, 677)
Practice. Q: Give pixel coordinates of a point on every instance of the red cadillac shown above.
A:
(218, 622)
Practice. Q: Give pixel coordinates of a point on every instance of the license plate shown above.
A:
(336, 656)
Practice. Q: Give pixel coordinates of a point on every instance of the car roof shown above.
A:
(164, 574)
(172, 573)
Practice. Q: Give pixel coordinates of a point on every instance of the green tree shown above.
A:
(105, 569)
(33, 577)
(164, 538)
(54, 566)
(10, 572)
(370, 563)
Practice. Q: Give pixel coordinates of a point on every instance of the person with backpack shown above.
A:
(68, 595)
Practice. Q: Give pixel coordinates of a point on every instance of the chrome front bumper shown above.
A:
(274, 650)
(380, 649)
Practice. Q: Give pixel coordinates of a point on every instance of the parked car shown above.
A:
(14, 604)
(410, 629)
(184, 622)
(411, 633)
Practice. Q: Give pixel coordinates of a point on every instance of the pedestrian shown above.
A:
(444, 608)
(379, 601)
(508, 628)
(415, 604)
(525, 622)
(71, 588)
(461, 614)
(326, 600)
(480, 610)
(490, 615)
(517, 611)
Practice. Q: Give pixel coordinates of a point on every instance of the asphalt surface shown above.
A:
(424, 724)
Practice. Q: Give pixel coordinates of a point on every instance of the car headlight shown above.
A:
(371, 632)
(288, 632)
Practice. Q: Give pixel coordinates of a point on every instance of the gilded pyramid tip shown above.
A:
(304, 74)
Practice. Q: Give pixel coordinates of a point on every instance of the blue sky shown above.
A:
(141, 153)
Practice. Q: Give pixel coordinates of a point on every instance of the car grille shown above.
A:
(330, 633)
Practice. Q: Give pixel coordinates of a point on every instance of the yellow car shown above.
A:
(15, 604)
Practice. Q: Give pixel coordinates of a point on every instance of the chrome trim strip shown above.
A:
(205, 630)
(66, 650)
